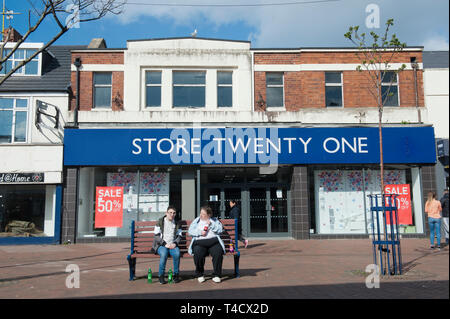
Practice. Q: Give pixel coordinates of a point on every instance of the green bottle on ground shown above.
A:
(170, 276)
(149, 277)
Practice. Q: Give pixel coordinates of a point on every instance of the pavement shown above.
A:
(270, 269)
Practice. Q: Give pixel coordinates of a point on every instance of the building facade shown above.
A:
(437, 102)
(34, 106)
(290, 134)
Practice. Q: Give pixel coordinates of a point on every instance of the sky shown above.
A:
(265, 23)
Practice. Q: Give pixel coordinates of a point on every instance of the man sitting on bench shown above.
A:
(167, 238)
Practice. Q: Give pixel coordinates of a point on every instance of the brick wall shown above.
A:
(306, 89)
(87, 77)
(99, 57)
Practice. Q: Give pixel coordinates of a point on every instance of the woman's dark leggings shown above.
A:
(201, 248)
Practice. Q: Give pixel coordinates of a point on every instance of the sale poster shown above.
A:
(108, 207)
(403, 200)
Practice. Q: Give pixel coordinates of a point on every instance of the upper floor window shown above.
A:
(333, 89)
(389, 88)
(31, 68)
(13, 120)
(275, 89)
(224, 89)
(189, 88)
(102, 89)
(152, 88)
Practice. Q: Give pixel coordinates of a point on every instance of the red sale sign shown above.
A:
(403, 202)
(108, 207)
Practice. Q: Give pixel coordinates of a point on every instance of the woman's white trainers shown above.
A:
(216, 279)
(201, 279)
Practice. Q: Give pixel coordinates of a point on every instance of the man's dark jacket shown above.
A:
(158, 240)
(444, 204)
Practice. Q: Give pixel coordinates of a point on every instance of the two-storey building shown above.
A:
(34, 105)
(291, 134)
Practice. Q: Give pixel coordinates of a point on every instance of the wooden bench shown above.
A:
(142, 241)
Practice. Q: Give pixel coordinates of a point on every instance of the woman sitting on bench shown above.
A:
(205, 231)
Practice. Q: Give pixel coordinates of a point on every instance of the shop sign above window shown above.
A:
(248, 146)
(19, 178)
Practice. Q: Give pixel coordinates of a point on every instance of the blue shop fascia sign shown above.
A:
(263, 146)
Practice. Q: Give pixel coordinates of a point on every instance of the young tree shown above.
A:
(376, 65)
(45, 10)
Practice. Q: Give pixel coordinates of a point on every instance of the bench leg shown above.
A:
(236, 265)
(132, 266)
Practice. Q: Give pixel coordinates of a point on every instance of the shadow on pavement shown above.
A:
(387, 290)
(59, 260)
(407, 266)
(227, 274)
(54, 274)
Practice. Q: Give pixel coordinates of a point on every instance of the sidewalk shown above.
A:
(269, 269)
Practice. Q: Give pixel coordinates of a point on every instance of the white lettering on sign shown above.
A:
(137, 146)
(160, 150)
(399, 190)
(333, 145)
(305, 144)
(210, 145)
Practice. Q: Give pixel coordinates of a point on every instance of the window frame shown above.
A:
(12, 59)
(224, 85)
(160, 85)
(341, 84)
(94, 86)
(396, 84)
(276, 86)
(188, 85)
(15, 109)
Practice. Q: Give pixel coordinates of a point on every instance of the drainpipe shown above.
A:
(77, 64)
(415, 66)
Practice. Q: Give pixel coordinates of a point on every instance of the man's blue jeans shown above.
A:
(435, 229)
(164, 252)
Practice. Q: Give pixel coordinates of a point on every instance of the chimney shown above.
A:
(97, 43)
(14, 36)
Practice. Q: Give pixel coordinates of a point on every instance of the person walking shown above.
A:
(235, 213)
(167, 238)
(205, 231)
(444, 205)
(433, 209)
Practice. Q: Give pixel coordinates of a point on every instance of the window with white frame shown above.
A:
(189, 88)
(389, 88)
(275, 89)
(333, 89)
(152, 88)
(13, 120)
(102, 89)
(31, 68)
(224, 89)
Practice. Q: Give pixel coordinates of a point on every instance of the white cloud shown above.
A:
(319, 24)
(436, 43)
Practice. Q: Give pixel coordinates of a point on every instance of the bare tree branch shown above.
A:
(88, 10)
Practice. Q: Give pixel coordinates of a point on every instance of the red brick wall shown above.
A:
(99, 57)
(87, 77)
(306, 89)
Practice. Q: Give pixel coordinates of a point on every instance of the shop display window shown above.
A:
(26, 210)
(342, 205)
(146, 196)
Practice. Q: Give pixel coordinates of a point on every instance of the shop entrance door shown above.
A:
(268, 211)
(264, 209)
(219, 200)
